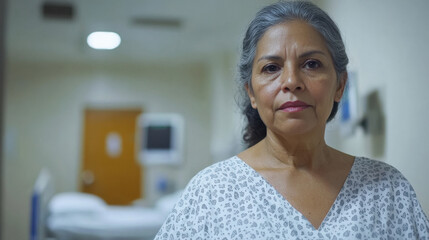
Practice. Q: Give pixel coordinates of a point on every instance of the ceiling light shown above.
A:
(103, 40)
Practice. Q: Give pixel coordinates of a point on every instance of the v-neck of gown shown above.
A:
(328, 217)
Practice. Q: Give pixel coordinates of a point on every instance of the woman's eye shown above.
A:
(312, 64)
(270, 68)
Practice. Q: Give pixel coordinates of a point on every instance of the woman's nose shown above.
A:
(291, 81)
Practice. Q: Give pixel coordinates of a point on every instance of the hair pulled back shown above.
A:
(255, 130)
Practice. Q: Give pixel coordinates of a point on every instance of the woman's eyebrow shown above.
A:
(270, 57)
(303, 55)
(309, 53)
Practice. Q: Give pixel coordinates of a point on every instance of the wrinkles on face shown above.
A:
(293, 63)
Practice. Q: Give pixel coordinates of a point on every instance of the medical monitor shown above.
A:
(160, 138)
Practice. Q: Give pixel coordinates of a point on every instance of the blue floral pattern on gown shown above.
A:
(230, 200)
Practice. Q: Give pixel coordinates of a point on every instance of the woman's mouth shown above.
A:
(293, 106)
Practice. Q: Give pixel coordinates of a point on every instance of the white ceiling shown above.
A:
(207, 26)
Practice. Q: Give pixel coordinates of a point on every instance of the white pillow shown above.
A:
(76, 203)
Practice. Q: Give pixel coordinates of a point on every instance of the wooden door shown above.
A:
(109, 167)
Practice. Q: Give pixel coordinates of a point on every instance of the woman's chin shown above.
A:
(296, 127)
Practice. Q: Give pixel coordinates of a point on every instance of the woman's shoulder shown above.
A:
(219, 172)
(212, 180)
(374, 171)
(372, 166)
(380, 181)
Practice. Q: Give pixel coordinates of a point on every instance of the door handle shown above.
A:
(87, 177)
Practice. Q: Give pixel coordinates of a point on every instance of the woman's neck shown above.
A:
(298, 152)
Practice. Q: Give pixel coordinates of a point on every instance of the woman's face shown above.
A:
(294, 83)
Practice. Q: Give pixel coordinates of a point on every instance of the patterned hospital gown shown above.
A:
(230, 200)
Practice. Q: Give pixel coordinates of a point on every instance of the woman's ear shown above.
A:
(341, 86)
(251, 96)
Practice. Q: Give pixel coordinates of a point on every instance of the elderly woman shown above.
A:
(289, 184)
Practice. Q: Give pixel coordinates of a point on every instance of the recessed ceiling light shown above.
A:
(104, 40)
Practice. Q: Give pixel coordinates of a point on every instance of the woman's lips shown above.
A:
(292, 107)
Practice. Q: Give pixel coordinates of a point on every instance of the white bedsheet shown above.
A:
(79, 216)
(113, 223)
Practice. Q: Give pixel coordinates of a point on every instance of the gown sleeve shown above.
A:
(191, 216)
(419, 218)
(410, 220)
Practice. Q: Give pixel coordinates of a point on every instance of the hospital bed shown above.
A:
(81, 216)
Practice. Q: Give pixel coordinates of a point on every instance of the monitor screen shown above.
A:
(158, 137)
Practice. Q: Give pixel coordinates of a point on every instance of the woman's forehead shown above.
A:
(291, 37)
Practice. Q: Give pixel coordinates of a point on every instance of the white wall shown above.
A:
(44, 117)
(387, 42)
(2, 77)
(225, 115)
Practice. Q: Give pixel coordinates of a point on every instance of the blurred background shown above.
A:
(180, 57)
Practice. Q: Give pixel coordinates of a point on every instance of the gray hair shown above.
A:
(267, 17)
